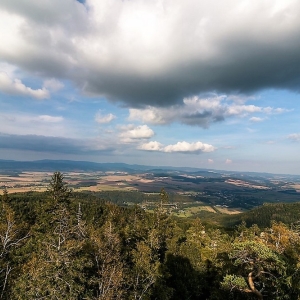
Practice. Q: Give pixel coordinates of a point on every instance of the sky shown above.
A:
(205, 84)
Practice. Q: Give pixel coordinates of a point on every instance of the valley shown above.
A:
(192, 192)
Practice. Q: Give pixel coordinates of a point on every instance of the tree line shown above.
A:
(64, 245)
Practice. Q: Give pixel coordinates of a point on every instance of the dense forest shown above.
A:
(64, 245)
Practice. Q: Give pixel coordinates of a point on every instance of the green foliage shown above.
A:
(83, 247)
(58, 188)
(4, 194)
(234, 282)
(287, 213)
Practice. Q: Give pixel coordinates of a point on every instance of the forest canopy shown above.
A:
(64, 245)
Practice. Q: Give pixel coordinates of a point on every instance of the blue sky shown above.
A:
(208, 84)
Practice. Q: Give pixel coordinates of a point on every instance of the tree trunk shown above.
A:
(252, 286)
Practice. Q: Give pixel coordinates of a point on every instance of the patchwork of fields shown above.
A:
(190, 195)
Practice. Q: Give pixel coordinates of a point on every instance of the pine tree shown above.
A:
(11, 238)
(58, 188)
(54, 271)
(4, 194)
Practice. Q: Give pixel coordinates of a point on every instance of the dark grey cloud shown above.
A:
(55, 145)
(202, 112)
(203, 119)
(146, 53)
(239, 70)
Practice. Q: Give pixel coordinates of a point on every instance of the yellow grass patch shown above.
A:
(190, 211)
(25, 189)
(228, 211)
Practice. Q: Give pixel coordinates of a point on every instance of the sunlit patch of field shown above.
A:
(105, 187)
(5, 179)
(25, 182)
(38, 181)
(246, 184)
(209, 208)
(143, 180)
(25, 189)
(38, 174)
(190, 211)
(121, 177)
(228, 211)
(294, 186)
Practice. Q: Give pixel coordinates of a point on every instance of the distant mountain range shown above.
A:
(85, 166)
(69, 165)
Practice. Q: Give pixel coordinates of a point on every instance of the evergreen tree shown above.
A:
(11, 238)
(5, 194)
(58, 188)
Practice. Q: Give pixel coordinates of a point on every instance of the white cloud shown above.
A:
(189, 147)
(102, 119)
(130, 133)
(228, 161)
(16, 87)
(7, 68)
(151, 146)
(53, 84)
(210, 161)
(29, 124)
(183, 147)
(294, 137)
(128, 50)
(200, 111)
(150, 115)
(243, 109)
(256, 119)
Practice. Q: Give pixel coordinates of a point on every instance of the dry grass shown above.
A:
(228, 211)
(25, 189)
(190, 211)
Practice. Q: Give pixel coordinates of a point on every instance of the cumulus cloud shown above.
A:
(200, 111)
(151, 146)
(16, 87)
(102, 119)
(131, 133)
(182, 147)
(140, 53)
(189, 147)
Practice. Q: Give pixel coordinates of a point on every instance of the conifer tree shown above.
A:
(4, 194)
(58, 188)
(55, 270)
(11, 238)
(108, 275)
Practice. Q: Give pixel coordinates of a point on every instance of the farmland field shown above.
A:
(190, 195)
